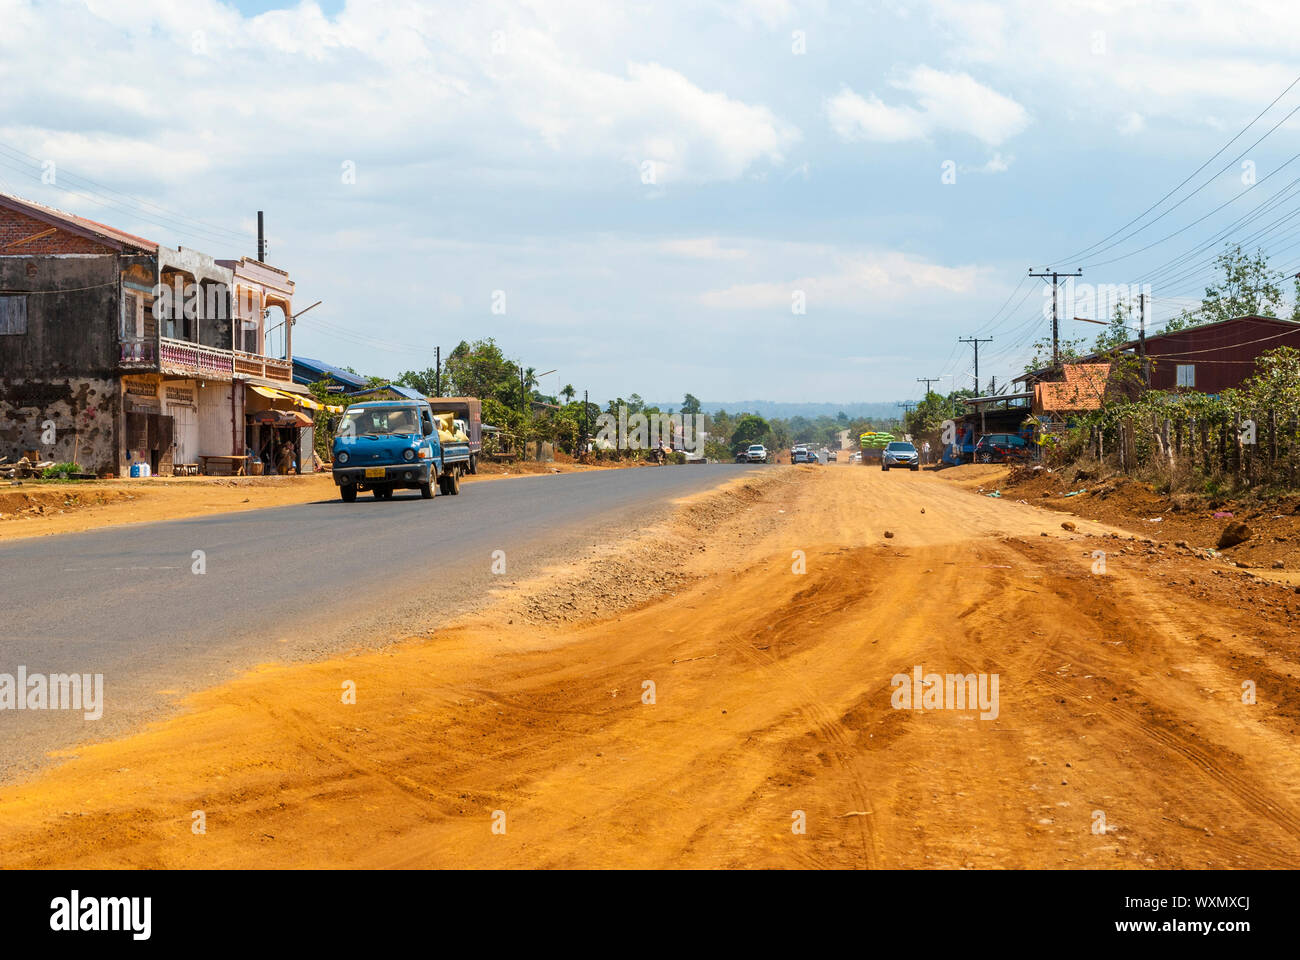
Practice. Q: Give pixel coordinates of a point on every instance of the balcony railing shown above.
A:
(184, 357)
(268, 368)
(137, 353)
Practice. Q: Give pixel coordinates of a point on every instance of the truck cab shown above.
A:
(387, 445)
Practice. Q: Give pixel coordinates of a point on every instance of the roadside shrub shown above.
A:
(60, 471)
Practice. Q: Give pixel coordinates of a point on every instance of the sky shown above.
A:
(733, 198)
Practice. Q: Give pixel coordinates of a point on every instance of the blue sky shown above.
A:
(651, 185)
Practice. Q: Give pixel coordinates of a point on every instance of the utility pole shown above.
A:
(927, 381)
(1056, 323)
(261, 240)
(976, 341)
(1142, 338)
(437, 371)
(583, 448)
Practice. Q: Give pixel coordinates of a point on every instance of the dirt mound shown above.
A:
(976, 474)
(633, 572)
(37, 502)
(1196, 520)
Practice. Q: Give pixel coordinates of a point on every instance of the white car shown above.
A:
(757, 453)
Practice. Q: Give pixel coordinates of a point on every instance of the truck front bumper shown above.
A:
(396, 474)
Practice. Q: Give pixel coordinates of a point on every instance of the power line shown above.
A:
(1092, 249)
(976, 341)
(1056, 323)
(192, 223)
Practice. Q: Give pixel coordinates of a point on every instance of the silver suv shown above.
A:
(900, 454)
(757, 453)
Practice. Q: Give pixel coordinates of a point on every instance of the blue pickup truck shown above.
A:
(388, 445)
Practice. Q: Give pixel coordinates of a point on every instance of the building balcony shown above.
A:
(138, 354)
(266, 368)
(186, 359)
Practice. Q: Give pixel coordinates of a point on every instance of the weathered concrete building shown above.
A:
(94, 369)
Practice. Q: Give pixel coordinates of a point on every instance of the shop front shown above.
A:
(275, 439)
(147, 431)
(180, 402)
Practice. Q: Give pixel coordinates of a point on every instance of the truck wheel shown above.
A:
(884, 467)
(916, 466)
(348, 492)
(473, 465)
(426, 489)
(453, 483)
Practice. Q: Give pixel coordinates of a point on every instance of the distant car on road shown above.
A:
(757, 453)
(831, 457)
(1002, 448)
(802, 455)
(900, 453)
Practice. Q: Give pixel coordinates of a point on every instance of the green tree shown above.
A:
(1120, 329)
(422, 380)
(1249, 286)
(691, 405)
(480, 369)
(748, 429)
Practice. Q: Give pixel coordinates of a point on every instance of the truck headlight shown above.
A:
(342, 456)
(426, 453)
(408, 454)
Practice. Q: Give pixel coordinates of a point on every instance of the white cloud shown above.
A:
(655, 114)
(995, 164)
(860, 281)
(1103, 55)
(415, 80)
(946, 102)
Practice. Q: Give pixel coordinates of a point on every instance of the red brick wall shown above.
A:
(19, 226)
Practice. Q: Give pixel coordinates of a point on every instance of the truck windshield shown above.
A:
(379, 422)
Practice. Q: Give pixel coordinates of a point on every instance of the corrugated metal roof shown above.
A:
(324, 370)
(409, 393)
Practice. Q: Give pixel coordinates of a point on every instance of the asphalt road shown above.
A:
(281, 583)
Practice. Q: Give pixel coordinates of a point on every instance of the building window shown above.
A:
(1186, 375)
(132, 316)
(13, 315)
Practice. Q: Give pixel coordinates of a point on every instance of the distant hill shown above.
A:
(773, 408)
